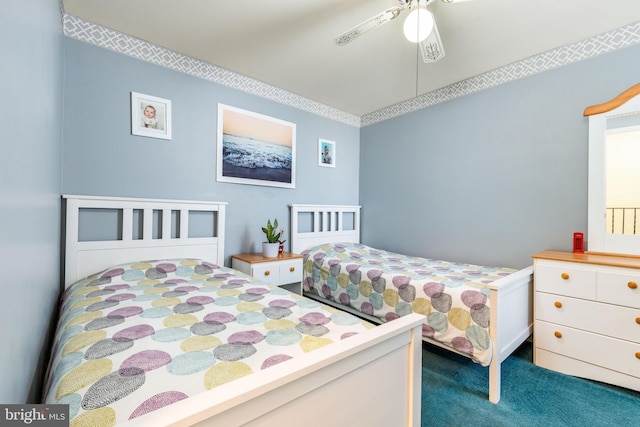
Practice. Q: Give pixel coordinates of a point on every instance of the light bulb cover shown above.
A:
(418, 25)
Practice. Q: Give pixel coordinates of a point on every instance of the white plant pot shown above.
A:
(270, 250)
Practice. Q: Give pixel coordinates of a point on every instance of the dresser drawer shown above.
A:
(606, 319)
(611, 353)
(622, 288)
(565, 278)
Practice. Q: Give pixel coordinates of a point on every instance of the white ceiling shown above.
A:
(290, 43)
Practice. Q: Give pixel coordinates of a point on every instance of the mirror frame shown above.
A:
(628, 102)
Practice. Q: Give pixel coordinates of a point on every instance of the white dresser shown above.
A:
(587, 316)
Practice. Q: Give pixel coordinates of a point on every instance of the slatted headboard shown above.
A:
(313, 225)
(146, 229)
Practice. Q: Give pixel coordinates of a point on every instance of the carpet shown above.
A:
(455, 393)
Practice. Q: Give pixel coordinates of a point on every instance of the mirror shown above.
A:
(622, 178)
(614, 174)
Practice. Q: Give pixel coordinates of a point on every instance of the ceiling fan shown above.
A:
(419, 27)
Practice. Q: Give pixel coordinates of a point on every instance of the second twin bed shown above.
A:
(481, 312)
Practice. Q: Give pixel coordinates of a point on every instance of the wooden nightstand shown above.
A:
(284, 271)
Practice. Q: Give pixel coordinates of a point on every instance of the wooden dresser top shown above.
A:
(601, 258)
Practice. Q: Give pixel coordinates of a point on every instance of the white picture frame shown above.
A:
(150, 116)
(255, 149)
(326, 153)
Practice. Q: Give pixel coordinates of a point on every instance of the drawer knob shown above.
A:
(558, 334)
(292, 269)
(266, 273)
(632, 285)
(558, 304)
(565, 276)
(638, 355)
(638, 320)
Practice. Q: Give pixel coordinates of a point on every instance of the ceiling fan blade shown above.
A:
(431, 47)
(368, 25)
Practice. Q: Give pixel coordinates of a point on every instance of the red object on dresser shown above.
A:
(578, 243)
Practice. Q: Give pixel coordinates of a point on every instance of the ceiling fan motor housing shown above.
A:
(415, 3)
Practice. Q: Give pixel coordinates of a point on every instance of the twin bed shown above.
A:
(154, 330)
(481, 312)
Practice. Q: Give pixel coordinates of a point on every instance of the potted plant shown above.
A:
(270, 247)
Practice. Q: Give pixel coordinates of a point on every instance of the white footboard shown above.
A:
(511, 321)
(292, 394)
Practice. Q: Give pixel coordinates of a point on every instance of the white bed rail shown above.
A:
(328, 224)
(86, 257)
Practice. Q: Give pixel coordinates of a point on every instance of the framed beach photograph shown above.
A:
(326, 153)
(255, 149)
(150, 116)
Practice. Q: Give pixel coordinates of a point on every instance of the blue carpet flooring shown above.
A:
(455, 393)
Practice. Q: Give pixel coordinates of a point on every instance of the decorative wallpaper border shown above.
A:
(603, 43)
(89, 32)
(98, 35)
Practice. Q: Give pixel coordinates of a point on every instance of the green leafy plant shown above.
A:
(270, 231)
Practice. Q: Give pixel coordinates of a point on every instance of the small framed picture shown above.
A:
(150, 116)
(326, 153)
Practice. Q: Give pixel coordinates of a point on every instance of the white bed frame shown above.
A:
(367, 364)
(511, 315)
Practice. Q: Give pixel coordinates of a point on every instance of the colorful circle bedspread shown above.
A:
(141, 336)
(453, 296)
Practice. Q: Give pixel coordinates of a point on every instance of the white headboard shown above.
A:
(83, 258)
(326, 224)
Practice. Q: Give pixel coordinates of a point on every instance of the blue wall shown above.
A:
(493, 177)
(488, 178)
(30, 184)
(101, 157)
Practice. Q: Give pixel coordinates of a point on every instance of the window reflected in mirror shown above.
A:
(622, 165)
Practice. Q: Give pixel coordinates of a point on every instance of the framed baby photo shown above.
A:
(326, 153)
(150, 116)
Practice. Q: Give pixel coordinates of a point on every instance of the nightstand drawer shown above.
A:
(291, 272)
(279, 272)
(267, 272)
(285, 271)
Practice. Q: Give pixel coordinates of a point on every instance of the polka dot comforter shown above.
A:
(386, 285)
(141, 336)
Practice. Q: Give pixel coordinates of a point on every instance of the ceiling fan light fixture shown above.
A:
(418, 25)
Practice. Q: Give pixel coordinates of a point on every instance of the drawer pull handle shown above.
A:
(558, 304)
(632, 285)
(558, 334)
(565, 276)
(266, 273)
(638, 320)
(638, 355)
(292, 269)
